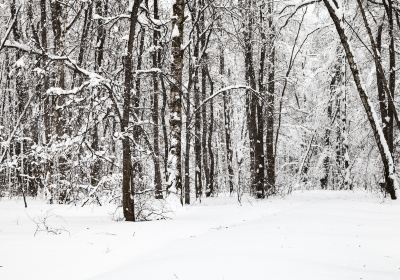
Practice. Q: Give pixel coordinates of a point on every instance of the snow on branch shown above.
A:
(225, 89)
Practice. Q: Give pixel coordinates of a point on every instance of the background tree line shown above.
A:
(108, 101)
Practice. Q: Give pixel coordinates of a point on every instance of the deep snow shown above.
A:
(308, 235)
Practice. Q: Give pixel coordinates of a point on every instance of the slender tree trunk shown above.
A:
(344, 129)
(381, 92)
(156, 56)
(198, 181)
(21, 94)
(211, 187)
(259, 141)
(137, 169)
(43, 41)
(203, 63)
(164, 127)
(227, 122)
(88, 7)
(270, 106)
(392, 76)
(187, 147)
(334, 86)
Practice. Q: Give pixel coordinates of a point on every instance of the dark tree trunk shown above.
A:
(203, 63)
(156, 56)
(127, 188)
(210, 189)
(175, 101)
(99, 53)
(252, 106)
(198, 181)
(137, 170)
(327, 138)
(381, 92)
(392, 76)
(85, 32)
(164, 127)
(57, 110)
(227, 122)
(187, 147)
(392, 113)
(43, 41)
(21, 93)
(204, 124)
(270, 106)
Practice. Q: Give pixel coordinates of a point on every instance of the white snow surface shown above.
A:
(308, 235)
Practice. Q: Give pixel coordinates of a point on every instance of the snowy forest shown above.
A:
(191, 116)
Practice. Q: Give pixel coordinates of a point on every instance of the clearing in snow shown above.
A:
(308, 235)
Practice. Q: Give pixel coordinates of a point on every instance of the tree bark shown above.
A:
(227, 122)
(175, 100)
(156, 57)
(127, 190)
(198, 181)
(211, 187)
(270, 106)
(203, 63)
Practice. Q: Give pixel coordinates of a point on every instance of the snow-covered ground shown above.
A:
(308, 235)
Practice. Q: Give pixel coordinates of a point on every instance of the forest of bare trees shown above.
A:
(135, 101)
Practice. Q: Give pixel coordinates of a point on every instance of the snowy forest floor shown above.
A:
(307, 235)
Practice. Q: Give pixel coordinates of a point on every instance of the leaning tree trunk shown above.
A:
(387, 160)
(392, 113)
(392, 73)
(379, 84)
